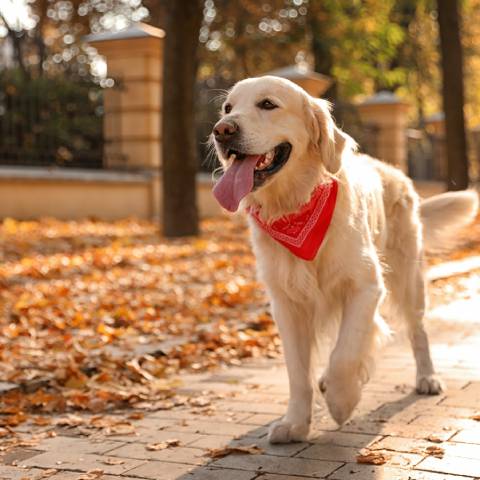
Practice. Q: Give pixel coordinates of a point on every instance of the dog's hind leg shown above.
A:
(427, 381)
(294, 324)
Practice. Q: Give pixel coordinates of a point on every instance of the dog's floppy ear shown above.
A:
(325, 136)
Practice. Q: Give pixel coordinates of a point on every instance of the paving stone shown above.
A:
(16, 473)
(354, 471)
(81, 462)
(65, 475)
(329, 452)
(462, 399)
(279, 465)
(348, 454)
(465, 450)
(191, 456)
(414, 411)
(234, 417)
(161, 470)
(473, 388)
(400, 430)
(444, 422)
(16, 456)
(155, 436)
(279, 477)
(252, 407)
(217, 428)
(281, 450)
(211, 441)
(77, 444)
(452, 465)
(468, 436)
(220, 474)
(402, 444)
(260, 419)
(155, 422)
(358, 440)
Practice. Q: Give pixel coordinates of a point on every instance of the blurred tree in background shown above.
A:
(364, 45)
(453, 93)
(182, 25)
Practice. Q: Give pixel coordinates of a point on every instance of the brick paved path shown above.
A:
(390, 418)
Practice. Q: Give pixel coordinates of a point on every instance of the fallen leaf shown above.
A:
(224, 451)
(136, 416)
(163, 445)
(435, 451)
(434, 439)
(47, 473)
(92, 474)
(42, 421)
(476, 417)
(70, 421)
(372, 457)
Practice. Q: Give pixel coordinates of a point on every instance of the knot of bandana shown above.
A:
(303, 232)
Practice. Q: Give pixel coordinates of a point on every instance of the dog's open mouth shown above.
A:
(248, 172)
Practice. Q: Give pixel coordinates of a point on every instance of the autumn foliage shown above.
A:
(97, 316)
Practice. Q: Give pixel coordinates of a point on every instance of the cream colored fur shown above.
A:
(370, 264)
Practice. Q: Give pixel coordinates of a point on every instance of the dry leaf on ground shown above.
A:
(434, 439)
(372, 457)
(47, 473)
(92, 474)
(239, 450)
(435, 451)
(163, 445)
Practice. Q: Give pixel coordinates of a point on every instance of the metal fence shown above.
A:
(50, 122)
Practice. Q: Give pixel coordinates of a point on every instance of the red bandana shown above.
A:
(303, 232)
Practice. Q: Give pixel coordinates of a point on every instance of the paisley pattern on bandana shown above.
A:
(303, 232)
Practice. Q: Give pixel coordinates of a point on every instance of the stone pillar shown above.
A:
(312, 82)
(386, 114)
(133, 106)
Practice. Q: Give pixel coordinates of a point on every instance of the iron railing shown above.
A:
(50, 122)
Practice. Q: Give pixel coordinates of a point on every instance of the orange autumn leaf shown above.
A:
(371, 457)
(238, 450)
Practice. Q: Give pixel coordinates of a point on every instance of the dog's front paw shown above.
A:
(342, 398)
(286, 432)
(430, 385)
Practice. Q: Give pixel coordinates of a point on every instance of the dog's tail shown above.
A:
(444, 215)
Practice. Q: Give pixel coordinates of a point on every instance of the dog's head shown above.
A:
(273, 136)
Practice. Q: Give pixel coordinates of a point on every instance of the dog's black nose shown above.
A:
(225, 130)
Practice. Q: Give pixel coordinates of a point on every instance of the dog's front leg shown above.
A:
(352, 355)
(293, 324)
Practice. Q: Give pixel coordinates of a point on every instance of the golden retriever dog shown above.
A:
(282, 154)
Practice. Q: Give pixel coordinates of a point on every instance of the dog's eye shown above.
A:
(266, 105)
(227, 108)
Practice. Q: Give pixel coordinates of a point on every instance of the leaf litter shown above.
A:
(101, 316)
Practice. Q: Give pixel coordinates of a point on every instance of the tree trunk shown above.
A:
(322, 50)
(182, 25)
(453, 94)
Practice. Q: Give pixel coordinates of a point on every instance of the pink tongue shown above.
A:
(236, 182)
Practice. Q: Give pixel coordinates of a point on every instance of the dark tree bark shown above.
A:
(322, 48)
(182, 25)
(453, 93)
